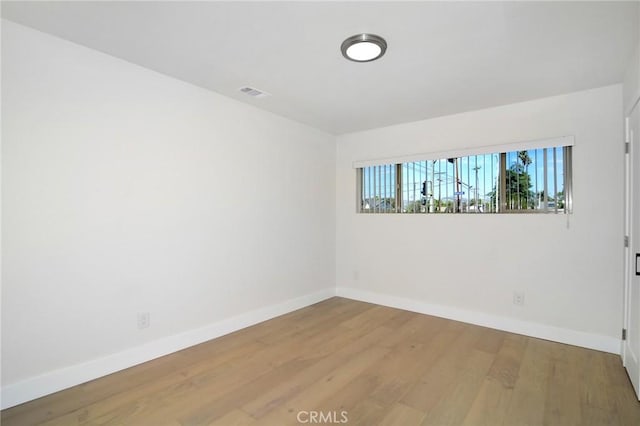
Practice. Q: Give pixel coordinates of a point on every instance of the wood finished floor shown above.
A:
(381, 366)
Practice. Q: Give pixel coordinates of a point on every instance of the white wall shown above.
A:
(468, 266)
(126, 191)
(631, 85)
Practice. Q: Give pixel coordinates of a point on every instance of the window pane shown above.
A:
(378, 194)
(516, 181)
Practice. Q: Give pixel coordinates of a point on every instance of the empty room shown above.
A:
(286, 213)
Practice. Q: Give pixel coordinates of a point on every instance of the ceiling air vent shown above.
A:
(254, 92)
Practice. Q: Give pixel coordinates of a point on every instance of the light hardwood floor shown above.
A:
(377, 365)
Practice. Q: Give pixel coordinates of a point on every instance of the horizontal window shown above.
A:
(524, 181)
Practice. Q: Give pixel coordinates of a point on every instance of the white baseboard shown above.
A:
(57, 380)
(541, 331)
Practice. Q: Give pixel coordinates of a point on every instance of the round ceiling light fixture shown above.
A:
(363, 47)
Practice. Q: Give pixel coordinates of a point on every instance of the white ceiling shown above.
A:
(443, 57)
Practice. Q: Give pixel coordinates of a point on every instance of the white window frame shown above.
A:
(565, 142)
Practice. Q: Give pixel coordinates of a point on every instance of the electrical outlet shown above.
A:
(518, 298)
(144, 320)
(356, 275)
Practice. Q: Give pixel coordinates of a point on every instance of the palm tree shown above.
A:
(525, 159)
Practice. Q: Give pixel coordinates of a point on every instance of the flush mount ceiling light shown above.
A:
(363, 47)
